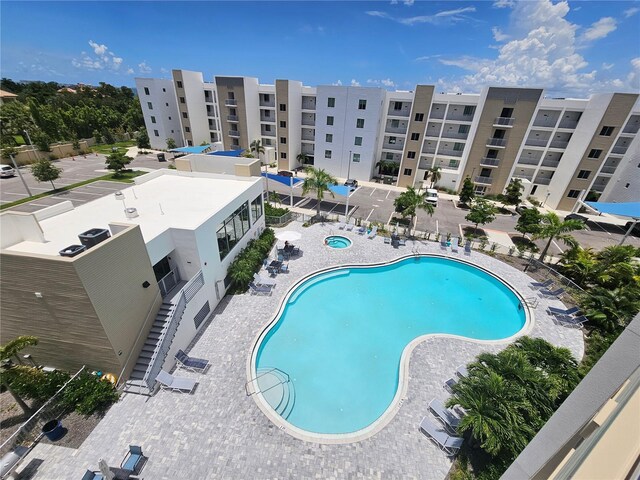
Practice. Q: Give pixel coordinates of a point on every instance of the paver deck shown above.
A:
(219, 432)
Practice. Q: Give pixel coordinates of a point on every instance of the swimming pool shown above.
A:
(338, 340)
(337, 241)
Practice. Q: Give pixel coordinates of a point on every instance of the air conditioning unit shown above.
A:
(72, 250)
(131, 212)
(94, 236)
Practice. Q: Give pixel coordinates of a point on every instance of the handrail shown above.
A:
(137, 338)
(272, 369)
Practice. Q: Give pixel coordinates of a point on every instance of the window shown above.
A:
(389, 156)
(453, 163)
(164, 89)
(584, 173)
(595, 153)
(202, 314)
(458, 147)
(395, 123)
(283, 107)
(362, 104)
(146, 90)
(463, 129)
(267, 113)
(606, 131)
(231, 95)
(407, 171)
(411, 154)
(179, 83)
(153, 119)
(397, 105)
(415, 136)
(573, 193)
(231, 231)
(329, 120)
(419, 117)
(331, 102)
(187, 129)
(256, 208)
(166, 105)
(492, 153)
(169, 118)
(328, 138)
(150, 105)
(283, 124)
(356, 158)
(185, 115)
(267, 128)
(155, 132)
(283, 139)
(359, 122)
(283, 155)
(182, 100)
(627, 185)
(189, 143)
(265, 97)
(392, 140)
(506, 112)
(469, 110)
(358, 141)
(327, 154)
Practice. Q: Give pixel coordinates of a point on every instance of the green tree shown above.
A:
(42, 141)
(387, 167)
(171, 144)
(529, 222)
(7, 351)
(256, 148)
(275, 197)
(513, 192)
(118, 162)
(580, 265)
(408, 202)
(467, 192)
(319, 181)
(481, 213)
(435, 175)
(45, 171)
(76, 144)
(302, 158)
(552, 228)
(142, 139)
(611, 309)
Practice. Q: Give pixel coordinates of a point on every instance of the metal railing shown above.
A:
(608, 170)
(558, 144)
(169, 281)
(393, 146)
(484, 180)
(230, 102)
(496, 142)
(571, 124)
(489, 162)
(450, 152)
(232, 118)
(504, 121)
(234, 133)
(536, 142)
(550, 163)
(279, 221)
(545, 123)
(456, 135)
(262, 374)
(542, 180)
(619, 150)
(390, 129)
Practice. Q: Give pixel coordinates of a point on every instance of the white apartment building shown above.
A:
(561, 149)
(160, 109)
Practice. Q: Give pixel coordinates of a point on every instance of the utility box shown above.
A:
(94, 236)
(161, 157)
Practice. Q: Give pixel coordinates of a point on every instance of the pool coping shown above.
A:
(403, 379)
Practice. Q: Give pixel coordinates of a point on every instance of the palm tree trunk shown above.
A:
(413, 227)
(544, 251)
(475, 230)
(21, 403)
(318, 205)
(52, 185)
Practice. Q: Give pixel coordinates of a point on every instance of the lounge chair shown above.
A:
(175, 384)
(362, 230)
(467, 248)
(91, 475)
(135, 460)
(448, 444)
(574, 322)
(449, 419)
(258, 280)
(284, 268)
(443, 244)
(191, 363)
(548, 293)
(462, 371)
(448, 385)
(563, 312)
(373, 233)
(260, 289)
(402, 242)
(349, 227)
(454, 244)
(387, 240)
(545, 284)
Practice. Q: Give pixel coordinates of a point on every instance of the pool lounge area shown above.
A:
(220, 432)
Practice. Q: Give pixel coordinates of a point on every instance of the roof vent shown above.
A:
(72, 250)
(131, 212)
(94, 236)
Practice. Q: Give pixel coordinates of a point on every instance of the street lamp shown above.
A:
(346, 210)
(547, 198)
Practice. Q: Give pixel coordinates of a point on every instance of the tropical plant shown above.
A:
(256, 148)
(42, 141)
(551, 227)
(580, 265)
(10, 350)
(319, 181)
(275, 198)
(481, 213)
(513, 192)
(529, 222)
(45, 171)
(611, 309)
(118, 162)
(467, 192)
(435, 175)
(249, 260)
(407, 204)
(302, 158)
(171, 144)
(387, 167)
(142, 139)
(75, 144)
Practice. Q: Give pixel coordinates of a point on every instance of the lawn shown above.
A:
(106, 149)
(125, 177)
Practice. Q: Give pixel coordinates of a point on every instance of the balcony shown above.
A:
(308, 103)
(551, 163)
(528, 161)
(536, 142)
(558, 144)
(267, 133)
(232, 118)
(308, 135)
(496, 142)
(523, 176)
(393, 146)
(484, 180)
(234, 133)
(437, 114)
(619, 150)
(489, 162)
(230, 102)
(268, 103)
(450, 152)
(308, 119)
(429, 149)
(456, 135)
(405, 111)
(503, 122)
(545, 122)
(608, 170)
(432, 133)
(269, 118)
(542, 181)
(459, 116)
(402, 130)
(568, 123)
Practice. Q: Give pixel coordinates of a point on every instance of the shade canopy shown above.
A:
(627, 209)
(288, 236)
(196, 149)
(288, 181)
(341, 190)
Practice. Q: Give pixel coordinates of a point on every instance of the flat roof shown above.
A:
(165, 199)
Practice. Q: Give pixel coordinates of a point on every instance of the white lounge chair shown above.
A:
(258, 280)
(566, 312)
(448, 444)
(341, 226)
(443, 244)
(462, 371)
(574, 322)
(454, 244)
(448, 385)
(467, 248)
(193, 364)
(349, 227)
(362, 230)
(448, 418)
(373, 233)
(175, 384)
(260, 289)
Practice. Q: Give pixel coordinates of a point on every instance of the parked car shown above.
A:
(351, 183)
(521, 208)
(636, 228)
(575, 216)
(7, 171)
(431, 196)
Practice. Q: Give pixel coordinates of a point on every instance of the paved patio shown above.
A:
(219, 432)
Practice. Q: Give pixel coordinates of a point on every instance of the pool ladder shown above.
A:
(261, 374)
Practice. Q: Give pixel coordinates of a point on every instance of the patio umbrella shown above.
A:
(104, 469)
(288, 236)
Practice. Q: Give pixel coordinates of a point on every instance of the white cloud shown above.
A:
(117, 61)
(503, 3)
(385, 82)
(98, 49)
(103, 59)
(338, 83)
(354, 83)
(88, 63)
(607, 66)
(498, 36)
(633, 78)
(426, 57)
(408, 3)
(600, 29)
(130, 71)
(144, 68)
(163, 70)
(631, 12)
(439, 18)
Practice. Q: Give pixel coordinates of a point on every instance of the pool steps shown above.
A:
(277, 390)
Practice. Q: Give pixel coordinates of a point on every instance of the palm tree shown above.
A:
(408, 202)
(11, 349)
(551, 228)
(302, 158)
(611, 309)
(387, 167)
(318, 180)
(256, 148)
(435, 175)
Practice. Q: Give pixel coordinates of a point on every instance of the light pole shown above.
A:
(547, 198)
(346, 210)
(31, 143)
(20, 175)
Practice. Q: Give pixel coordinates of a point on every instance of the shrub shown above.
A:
(271, 211)
(88, 394)
(249, 261)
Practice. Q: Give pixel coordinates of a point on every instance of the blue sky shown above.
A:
(571, 48)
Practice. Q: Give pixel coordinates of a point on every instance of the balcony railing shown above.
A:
(545, 123)
(393, 146)
(404, 112)
(631, 129)
(496, 142)
(523, 176)
(390, 129)
(558, 144)
(308, 121)
(619, 150)
(432, 133)
(437, 114)
(170, 280)
(232, 118)
(308, 136)
(542, 181)
(429, 150)
(267, 133)
(234, 133)
(489, 162)
(528, 161)
(450, 152)
(230, 102)
(264, 118)
(551, 163)
(484, 180)
(459, 117)
(270, 104)
(571, 124)
(537, 142)
(504, 121)
(608, 170)
(457, 135)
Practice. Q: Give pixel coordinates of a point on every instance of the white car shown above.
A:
(7, 171)
(431, 196)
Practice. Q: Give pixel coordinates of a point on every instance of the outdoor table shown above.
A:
(274, 267)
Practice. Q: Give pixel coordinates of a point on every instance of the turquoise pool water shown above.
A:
(341, 334)
(337, 241)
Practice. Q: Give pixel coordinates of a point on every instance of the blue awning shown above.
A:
(227, 153)
(340, 190)
(288, 181)
(627, 209)
(198, 149)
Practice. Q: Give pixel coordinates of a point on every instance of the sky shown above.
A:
(571, 48)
